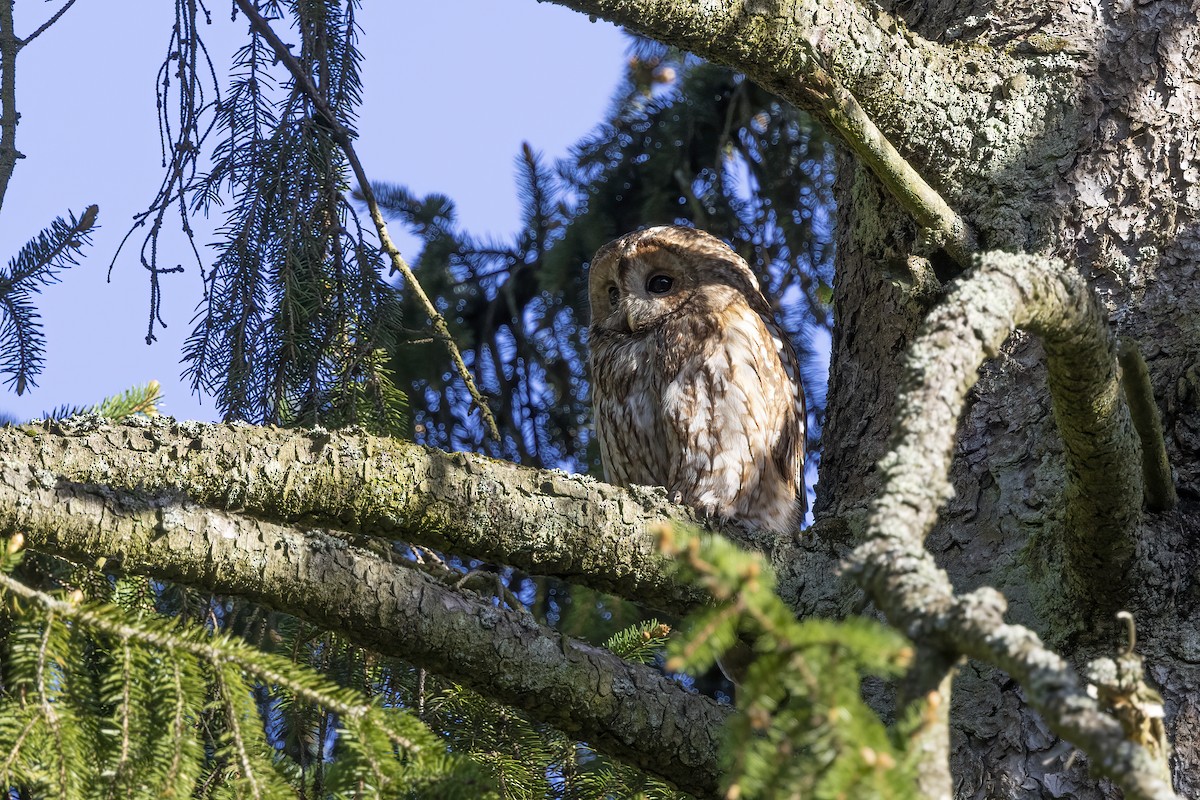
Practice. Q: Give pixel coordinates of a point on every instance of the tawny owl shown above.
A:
(695, 387)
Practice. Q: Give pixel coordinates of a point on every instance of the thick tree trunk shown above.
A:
(1109, 183)
(1067, 130)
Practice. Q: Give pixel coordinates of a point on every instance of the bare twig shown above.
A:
(47, 23)
(10, 45)
(1104, 504)
(344, 139)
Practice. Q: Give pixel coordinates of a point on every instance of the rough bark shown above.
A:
(1064, 129)
(627, 710)
(1107, 182)
(543, 521)
(1103, 498)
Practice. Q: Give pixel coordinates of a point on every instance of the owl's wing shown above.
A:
(732, 411)
(791, 453)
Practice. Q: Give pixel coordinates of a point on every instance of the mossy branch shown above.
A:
(1139, 394)
(820, 64)
(942, 224)
(1104, 494)
(628, 710)
(543, 521)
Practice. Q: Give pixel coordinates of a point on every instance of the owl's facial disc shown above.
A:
(636, 281)
(654, 283)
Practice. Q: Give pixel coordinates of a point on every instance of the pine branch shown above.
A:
(343, 136)
(804, 729)
(37, 264)
(135, 400)
(370, 736)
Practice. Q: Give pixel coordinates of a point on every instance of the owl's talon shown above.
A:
(677, 498)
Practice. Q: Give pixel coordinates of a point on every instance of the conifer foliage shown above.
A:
(101, 700)
(22, 343)
(686, 142)
(296, 310)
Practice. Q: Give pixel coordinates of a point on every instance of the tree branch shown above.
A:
(345, 141)
(1103, 497)
(10, 45)
(1139, 394)
(828, 58)
(45, 25)
(630, 711)
(542, 521)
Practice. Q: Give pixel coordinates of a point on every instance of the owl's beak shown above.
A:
(622, 319)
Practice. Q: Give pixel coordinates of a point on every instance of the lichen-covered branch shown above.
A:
(941, 222)
(543, 521)
(847, 64)
(630, 711)
(1139, 394)
(777, 43)
(1103, 498)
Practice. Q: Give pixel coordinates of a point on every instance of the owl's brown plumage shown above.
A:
(695, 386)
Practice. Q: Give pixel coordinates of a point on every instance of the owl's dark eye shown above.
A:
(659, 284)
(614, 296)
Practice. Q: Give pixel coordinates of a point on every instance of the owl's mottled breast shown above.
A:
(695, 387)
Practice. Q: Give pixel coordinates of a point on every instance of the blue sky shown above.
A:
(451, 89)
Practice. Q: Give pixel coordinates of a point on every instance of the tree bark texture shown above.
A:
(543, 521)
(64, 493)
(1061, 129)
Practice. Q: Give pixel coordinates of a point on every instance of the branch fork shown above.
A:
(1103, 497)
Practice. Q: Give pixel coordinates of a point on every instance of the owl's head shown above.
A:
(636, 281)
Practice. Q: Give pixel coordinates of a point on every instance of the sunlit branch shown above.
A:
(630, 711)
(942, 223)
(541, 521)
